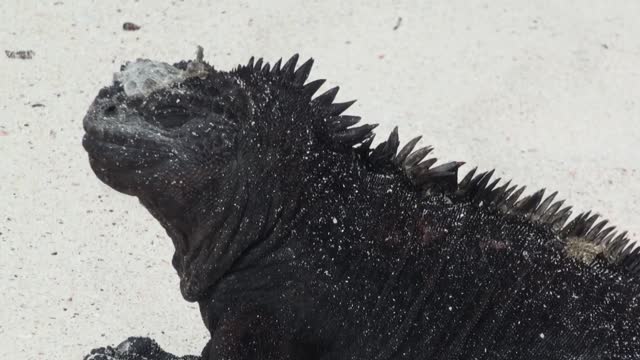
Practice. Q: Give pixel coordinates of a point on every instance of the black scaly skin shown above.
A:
(298, 241)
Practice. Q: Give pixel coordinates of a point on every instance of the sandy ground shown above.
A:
(545, 93)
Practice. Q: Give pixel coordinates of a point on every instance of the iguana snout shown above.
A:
(121, 145)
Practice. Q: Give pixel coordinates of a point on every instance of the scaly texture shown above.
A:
(300, 241)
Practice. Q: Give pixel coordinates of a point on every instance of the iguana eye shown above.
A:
(171, 116)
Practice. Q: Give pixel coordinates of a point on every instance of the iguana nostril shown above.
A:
(110, 110)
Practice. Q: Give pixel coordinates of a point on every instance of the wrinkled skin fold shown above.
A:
(300, 241)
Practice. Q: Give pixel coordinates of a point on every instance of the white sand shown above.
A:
(544, 91)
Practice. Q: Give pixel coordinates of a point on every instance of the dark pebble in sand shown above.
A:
(20, 54)
(129, 26)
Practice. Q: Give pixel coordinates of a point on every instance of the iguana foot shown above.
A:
(103, 353)
(135, 348)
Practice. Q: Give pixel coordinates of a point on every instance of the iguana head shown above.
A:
(163, 129)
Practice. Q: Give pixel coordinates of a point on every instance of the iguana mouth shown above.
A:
(121, 156)
(127, 139)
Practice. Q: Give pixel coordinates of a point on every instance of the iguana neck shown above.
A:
(231, 226)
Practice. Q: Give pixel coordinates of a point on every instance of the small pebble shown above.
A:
(20, 54)
(129, 26)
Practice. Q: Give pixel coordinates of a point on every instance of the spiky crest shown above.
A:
(606, 246)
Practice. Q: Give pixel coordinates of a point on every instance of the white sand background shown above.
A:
(544, 91)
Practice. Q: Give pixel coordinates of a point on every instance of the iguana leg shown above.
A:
(135, 348)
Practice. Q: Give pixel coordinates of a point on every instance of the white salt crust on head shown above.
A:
(143, 76)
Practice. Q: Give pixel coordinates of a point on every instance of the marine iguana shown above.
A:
(299, 240)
